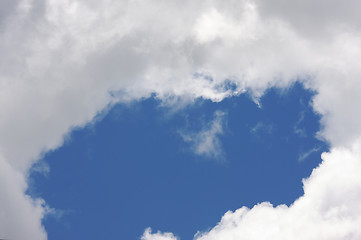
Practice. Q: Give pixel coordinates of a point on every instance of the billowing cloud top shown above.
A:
(63, 61)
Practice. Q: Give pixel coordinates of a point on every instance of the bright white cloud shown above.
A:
(207, 142)
(329, 209)
(148, 235)
(63, 61)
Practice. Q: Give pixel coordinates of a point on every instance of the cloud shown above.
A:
(329, 209)
(300, 131)
(148, 235)
(20, 216)
(207, 142)
(306, 154)
(64, 61)
(262, 127)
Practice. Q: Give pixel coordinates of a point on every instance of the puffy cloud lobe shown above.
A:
(329, 209)
(148, 235)
(65, 61)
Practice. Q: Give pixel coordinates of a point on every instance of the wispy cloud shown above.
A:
(262, 128)
(297, 129)
(206, 142)
(308, 153)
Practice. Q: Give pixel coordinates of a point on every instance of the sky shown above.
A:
(164, 120)
(107, 188)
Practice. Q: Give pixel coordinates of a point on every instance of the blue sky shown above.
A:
(131, 169)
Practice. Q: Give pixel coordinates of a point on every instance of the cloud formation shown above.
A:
(329, 209)
(207, 142)
(148, 235)
(65, 61)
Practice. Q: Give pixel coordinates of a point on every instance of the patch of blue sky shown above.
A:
(132, 169)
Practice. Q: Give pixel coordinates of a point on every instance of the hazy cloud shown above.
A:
(306, 154)
(300, 131)
(262, 127)
(206, 142)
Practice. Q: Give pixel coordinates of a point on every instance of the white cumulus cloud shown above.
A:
(329, 209)
(148, 235)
